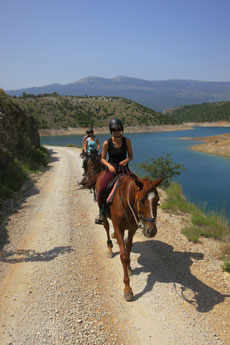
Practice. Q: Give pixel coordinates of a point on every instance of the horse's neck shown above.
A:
(131, 190)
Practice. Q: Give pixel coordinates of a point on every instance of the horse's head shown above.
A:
(94, 165)
(147, 200)
(94, 155)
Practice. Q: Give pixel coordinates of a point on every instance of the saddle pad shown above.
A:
(109, 199)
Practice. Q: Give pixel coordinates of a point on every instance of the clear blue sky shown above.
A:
(61, 41)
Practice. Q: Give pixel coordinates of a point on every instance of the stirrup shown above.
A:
(100, 219)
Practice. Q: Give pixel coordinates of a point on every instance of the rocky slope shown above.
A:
(16, 129)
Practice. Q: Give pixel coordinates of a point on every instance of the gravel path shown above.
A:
(58, 287)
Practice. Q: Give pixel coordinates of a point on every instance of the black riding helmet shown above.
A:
(115, 123)
(90, 130)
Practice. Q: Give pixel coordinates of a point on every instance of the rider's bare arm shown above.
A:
(130, 153)
(85, 146)
(98, 145)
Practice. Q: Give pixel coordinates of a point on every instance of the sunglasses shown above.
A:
(116, 129)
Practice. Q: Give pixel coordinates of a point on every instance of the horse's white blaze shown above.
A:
(150, 198)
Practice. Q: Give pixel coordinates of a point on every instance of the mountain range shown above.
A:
(157, 95)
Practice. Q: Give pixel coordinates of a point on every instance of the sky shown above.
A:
(61, 41)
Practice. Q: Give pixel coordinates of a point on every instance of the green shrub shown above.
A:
(226, 265)
(12, 178)
(160, 167)
(192, 233)
(225, 254)
(210, 224)
(38, 157)
(16, 171)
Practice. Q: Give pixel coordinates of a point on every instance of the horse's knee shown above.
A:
(124, 259)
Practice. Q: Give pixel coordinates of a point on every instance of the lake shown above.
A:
(207, 177)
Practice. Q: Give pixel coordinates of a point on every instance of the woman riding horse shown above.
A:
(134, 205)
(91, 144)
(117, 148)
(134, 202)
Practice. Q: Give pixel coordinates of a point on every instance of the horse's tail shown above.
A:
(91, 182)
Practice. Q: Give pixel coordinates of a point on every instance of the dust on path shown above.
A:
(58, 287)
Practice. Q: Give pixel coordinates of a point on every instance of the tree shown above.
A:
(155, 168)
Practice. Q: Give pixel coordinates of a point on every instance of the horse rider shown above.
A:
(91, 144)
(117, 148)
(83, 143)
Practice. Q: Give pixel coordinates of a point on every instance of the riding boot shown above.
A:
(100, 219)
(84, 167)
(85, 172)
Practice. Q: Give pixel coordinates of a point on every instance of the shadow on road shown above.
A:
(167, 266)
(18, 256)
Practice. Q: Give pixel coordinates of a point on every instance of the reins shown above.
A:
(122, 203)
(138, 207)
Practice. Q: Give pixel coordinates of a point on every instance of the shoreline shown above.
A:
(217, 145)
(133, 129)
(105, 130)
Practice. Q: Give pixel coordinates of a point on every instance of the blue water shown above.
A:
(206, 179)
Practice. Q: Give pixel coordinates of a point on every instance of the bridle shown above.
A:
(141, 219)
(140, 214)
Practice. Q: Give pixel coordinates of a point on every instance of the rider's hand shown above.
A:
(123, 163)
(112, 169)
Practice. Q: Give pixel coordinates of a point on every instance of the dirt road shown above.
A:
(59, 288)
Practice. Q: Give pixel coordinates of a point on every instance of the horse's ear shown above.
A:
(157, 182)
(139, 184)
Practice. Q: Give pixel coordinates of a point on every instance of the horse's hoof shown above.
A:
(110, 255)
(128, 296)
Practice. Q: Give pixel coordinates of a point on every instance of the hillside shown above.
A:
(157, 95)
(54, 111)
(18, 130)
(206, 112)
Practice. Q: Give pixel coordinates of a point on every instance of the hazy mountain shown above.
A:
(157, 95)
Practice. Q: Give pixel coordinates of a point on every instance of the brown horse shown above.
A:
(135, 203)
(94, 166)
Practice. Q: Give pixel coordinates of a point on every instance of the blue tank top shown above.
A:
(92, 145)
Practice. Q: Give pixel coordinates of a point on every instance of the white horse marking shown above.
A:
(151, 195)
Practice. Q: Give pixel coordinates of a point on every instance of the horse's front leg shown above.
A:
(129, 244)
(125, 260)
(109, 242)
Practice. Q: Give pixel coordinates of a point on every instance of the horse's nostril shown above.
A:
(153, 232)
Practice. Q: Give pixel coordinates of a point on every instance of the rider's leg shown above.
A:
(85, 161)
(102, 195)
